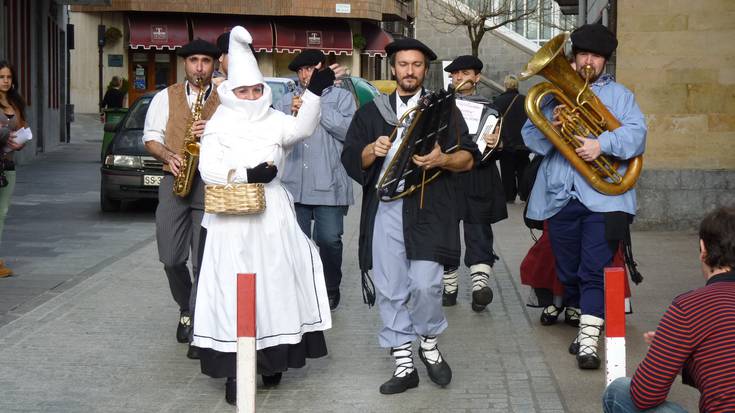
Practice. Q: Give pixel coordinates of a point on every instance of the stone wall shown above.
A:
(680, 62)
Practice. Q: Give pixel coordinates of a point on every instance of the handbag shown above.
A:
(234, 199)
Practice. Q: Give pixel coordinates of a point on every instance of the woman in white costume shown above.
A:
(246, 141)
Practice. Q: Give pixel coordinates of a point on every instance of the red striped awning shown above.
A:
(157, 31)
(210, 27)
(376, 39)
(329, 36)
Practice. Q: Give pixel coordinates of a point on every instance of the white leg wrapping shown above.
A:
(590, 328)
(480, 274)
(404, 359)
(428, 347)
(450, 282)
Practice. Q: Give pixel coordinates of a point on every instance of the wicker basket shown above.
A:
(234, 199)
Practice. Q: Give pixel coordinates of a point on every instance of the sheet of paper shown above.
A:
(471, 112)
(488, 127)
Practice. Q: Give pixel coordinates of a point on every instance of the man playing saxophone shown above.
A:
(585, 225)
(178, 218)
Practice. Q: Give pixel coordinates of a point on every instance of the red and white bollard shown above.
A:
(614, 323)
(246, 359)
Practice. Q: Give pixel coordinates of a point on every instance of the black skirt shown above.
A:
(271, 360)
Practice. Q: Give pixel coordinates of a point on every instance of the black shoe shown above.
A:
(193, 352)
(440, 373)
(231, 391)
(588, 361)
(400, 384)
(571, 317)
(270, 381)
(574, 347)
(183, 331)
(333, 300)
(449, 299)
(550, 315)
(481, 298)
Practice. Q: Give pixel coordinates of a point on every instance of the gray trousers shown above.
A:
(178, 225)
(408, 292)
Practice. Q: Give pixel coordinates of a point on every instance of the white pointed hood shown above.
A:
(242, 69)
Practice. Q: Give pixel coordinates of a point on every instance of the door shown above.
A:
(149, 71)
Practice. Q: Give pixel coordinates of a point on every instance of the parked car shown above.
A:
(128, 171)
(279, 87)
(384, 86)
(362, 90)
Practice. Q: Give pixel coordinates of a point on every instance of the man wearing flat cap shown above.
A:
(407, 244)
(178, 219)
(587, 227)
(313, 173)
(479, 191)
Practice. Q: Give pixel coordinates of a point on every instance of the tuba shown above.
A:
(583, 115)
(183, 181)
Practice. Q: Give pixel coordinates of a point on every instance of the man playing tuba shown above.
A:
(178, 219)
(586, 226)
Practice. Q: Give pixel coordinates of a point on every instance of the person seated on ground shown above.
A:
(696, 335)
(246, 142)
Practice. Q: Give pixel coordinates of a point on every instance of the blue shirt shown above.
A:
(314, 173)
(557, 181)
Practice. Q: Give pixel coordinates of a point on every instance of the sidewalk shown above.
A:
(105, 342)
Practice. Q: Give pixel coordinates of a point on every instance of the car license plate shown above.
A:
(152, 180)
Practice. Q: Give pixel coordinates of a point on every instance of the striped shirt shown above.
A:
(696, 337)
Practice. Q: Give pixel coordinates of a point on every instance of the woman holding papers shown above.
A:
(13, 135)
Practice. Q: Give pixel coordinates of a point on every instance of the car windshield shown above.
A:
(136, 115)
(278, 89)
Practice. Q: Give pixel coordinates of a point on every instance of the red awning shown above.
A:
(376, 40)
(210, 27)
(329, 36)
(157, 31)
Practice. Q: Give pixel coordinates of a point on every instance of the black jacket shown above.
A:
(431, 233)
(513, 121)
(113, 99)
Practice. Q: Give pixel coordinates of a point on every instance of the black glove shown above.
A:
(320, 80)
(262, 174)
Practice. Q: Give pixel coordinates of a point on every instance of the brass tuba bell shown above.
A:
(583, 115)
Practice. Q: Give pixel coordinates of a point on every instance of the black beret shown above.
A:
(309, 57)
(594, 38)
(463, 63)
(199, 46)
(223, 42)
(409, 44)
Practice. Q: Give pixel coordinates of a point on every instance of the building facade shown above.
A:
(679, 59)
(33, 39)
(144, 52)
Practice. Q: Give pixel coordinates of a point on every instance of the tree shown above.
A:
(482, 16)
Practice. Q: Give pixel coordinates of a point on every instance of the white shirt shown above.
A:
(401, 109)
(157, 116)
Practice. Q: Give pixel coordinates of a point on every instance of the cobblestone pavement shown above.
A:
(88, 323)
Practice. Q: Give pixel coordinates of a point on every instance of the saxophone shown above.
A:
(183, 181)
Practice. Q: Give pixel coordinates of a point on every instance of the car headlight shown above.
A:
(124, 161)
